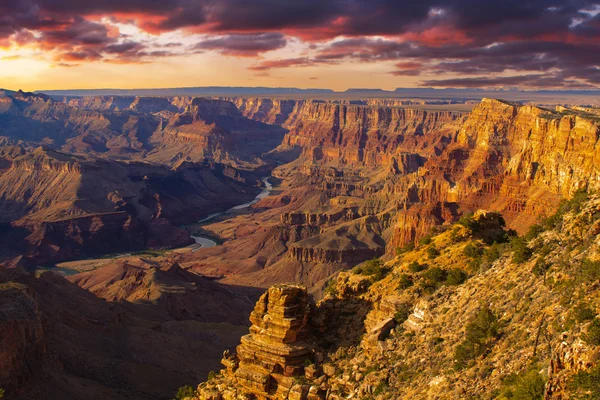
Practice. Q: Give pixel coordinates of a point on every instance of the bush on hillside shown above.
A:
(373, 268)
(401, 250)
(405, 281)
(478, 334)
(456, 276)
(416, 267)
(468, 221)
(432, 252)
(526, 386)
(402, 313)
(586, 384)
(592, 335)
(582, 312)
(492, 253)
(472, 251)
(425, 240)
(521, 252)
(185, 391)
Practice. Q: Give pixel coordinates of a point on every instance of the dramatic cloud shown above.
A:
(495, 42)
(248, 45)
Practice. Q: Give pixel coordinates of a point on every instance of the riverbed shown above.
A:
(206, 242)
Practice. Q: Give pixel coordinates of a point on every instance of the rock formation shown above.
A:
(270, 358)
(56, 206)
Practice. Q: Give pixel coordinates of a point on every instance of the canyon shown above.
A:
(353, 180)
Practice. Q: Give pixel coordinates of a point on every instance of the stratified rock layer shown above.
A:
(275, 351)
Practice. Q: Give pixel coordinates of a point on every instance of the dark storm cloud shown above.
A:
(558, 39)
(247, 45)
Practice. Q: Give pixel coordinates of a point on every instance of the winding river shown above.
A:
(205, 242)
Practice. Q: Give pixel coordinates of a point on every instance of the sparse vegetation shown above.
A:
(1, 393)
(586, 384)
(582, 312)
(401, 250)
(416, 267)
(185, 391)
(592, 335)
(541, 267)
(331, 288)
(212, 375)
(402, 313)
(432, 252)
(405, 281)
(373, 268)
(478, 335)
(526, 386)
(425, 240)
(590, 270)
(521, 252)
(456, 276)
(472, 251)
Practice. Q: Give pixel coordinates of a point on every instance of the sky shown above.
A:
(335, 44)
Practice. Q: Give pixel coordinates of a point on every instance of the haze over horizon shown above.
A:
(46, 45)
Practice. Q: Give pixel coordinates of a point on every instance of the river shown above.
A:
(205, 242)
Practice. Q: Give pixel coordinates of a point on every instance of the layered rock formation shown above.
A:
(268, 359)
(366, 135)
(214, 129)
(56, 206)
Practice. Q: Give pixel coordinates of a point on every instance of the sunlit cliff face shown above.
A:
(47, 44)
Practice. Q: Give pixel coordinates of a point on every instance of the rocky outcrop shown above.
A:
(366, 135)
(101, 103)
(217, 130)
(268, 359)
(267, 110)
(569, 357)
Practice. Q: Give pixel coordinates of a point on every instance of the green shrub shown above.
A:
(593, 333)
(401, 250)
(590, 270)
(402, 313)
(468, 221)
(185, 391)
(472, 251)
(474, 265)
(527, 386)
(380, 388)
(425, 240)
(583, 313)
(212, 375)
(586, 384)
(574, 204)
(454, 234)
(373, 268)
(432, 278)
(435, 274)
(478, 333)
(456, 276)
(534, 231)
(331, 288)
(432, 252)
(541, 267)
(521, 252)
(1, 393)
(416, 267)
(405, 281)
